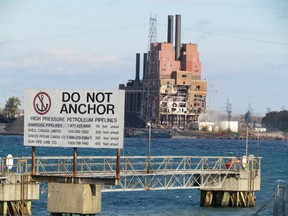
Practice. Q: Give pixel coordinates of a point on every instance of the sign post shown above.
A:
(76, 119)
(75, 162)
(33, 160)
(118, 166)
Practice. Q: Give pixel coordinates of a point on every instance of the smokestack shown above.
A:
(178, 37)
(144, 65)
(170, 29)
(137, 67)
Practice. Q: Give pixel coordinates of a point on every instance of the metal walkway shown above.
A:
(159, 173)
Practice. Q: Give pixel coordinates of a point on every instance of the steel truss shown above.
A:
(165, 172)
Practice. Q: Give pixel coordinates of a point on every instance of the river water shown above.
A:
(174, 202)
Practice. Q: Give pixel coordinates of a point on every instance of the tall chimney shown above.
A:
(144, 65)
(170, 29)
(178, 37)
(137, 67)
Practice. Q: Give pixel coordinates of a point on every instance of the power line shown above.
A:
(233, 36)
(136, 26)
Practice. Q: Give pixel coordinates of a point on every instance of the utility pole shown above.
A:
(229, 112)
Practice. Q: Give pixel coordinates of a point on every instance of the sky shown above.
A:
(88, 44)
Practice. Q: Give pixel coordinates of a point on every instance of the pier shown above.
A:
(222, 181)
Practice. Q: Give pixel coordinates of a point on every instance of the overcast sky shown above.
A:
(89, 44)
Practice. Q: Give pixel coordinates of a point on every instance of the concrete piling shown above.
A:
(74, 199)
(236, 191)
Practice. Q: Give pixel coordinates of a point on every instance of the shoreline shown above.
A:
(175, 134)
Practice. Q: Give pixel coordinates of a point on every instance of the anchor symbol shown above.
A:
(42, 103)
(43, 108)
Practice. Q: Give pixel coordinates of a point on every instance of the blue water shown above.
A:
(175, 202)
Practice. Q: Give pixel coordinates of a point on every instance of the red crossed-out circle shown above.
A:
(42, 103)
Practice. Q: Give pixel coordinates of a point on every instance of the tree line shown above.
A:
(276, 121)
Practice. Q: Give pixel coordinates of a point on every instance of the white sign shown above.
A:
(90, 119)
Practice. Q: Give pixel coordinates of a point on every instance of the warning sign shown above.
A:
(42, 103)
(91, 119)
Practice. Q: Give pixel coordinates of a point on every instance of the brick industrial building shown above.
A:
(171, 92)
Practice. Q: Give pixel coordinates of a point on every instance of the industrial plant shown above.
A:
(171, 93)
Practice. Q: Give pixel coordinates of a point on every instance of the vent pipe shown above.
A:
(178, 37)
(144, 65)
(170, 29)
(137, 77)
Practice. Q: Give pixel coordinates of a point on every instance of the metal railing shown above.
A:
(164, 172)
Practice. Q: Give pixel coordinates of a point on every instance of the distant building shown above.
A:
(231, 126)
(133, 97)
(133, 91)
(172, 92)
